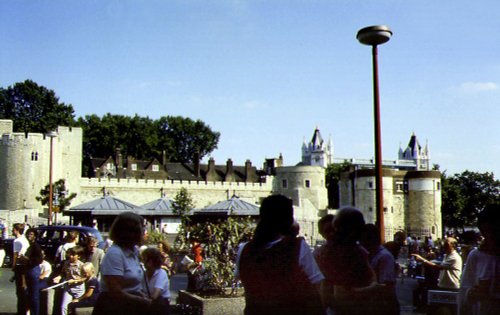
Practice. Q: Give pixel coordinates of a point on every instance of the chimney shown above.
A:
(118, 158)
(118, 163)
(211, 173)
(248, 171)
(229, 171)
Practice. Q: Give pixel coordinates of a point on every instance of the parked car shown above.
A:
(50, 237)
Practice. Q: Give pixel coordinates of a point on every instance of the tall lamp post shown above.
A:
(374, 36)
(51, 135)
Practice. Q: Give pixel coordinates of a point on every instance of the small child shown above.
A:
(71, 273)
(91, 289)
(158, 284)
(45, 271)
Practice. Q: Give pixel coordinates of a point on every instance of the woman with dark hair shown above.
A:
(346, 267)
(122, 283)
(277, 269)
(158, 284)
(480, 282)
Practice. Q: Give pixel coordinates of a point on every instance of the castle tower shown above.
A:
(317, 152)
(424, 203)
(305, 185)
(412, 199)
(24, 165)
(415, 152)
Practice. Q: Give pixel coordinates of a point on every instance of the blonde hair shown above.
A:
(89, 268)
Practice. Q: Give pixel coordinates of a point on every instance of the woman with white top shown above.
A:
(122, 276)
(157, 281)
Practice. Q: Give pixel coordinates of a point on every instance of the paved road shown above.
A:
(7, 292)
(179, 282)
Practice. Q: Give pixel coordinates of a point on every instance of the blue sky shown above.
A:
(266, 73)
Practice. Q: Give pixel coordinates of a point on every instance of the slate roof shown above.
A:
(413, 145)
(105, 205)
(161, 206)
(174, 171)
(233, 206)
(317, 140)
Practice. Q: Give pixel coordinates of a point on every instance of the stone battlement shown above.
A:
(159, 183)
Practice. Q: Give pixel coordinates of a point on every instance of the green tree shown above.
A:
(34, 108)
(332, 175)
(465, 194)
(61, 197)
(183, 205)
(135, 136)
(182, 139)
(187, 139)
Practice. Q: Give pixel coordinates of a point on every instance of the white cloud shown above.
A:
(474, 87)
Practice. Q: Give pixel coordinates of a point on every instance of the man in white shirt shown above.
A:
(20, 245)
(450, 269)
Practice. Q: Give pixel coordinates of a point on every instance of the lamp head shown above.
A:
(374, 35)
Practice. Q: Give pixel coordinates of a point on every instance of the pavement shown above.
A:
(404, 288)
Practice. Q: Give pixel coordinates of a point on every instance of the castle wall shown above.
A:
(142, 191)
(412, 200)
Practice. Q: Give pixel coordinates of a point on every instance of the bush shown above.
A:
(220, 241)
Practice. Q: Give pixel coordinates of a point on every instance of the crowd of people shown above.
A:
(84, 275)
(351, 273)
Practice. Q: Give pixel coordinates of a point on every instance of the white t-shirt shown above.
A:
(21, 244)
(160, 280)
(45, 266)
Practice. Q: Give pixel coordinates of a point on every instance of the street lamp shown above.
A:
(51, 135)
(374, 36)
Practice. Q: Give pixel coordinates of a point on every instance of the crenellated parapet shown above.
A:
(141, 191)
